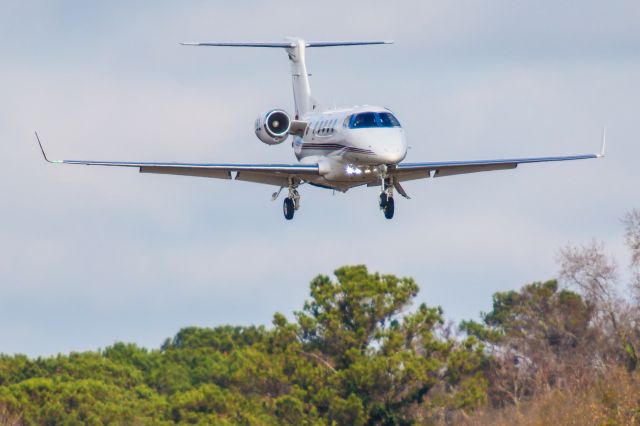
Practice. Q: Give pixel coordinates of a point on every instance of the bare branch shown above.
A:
(634, 288)
(320, 359)
(632, 234)
(590, 270)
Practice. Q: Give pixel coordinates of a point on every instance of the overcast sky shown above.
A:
(89, 256)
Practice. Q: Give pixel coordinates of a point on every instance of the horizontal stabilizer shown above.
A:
(239, 44)
(346, 43)
(287, 44)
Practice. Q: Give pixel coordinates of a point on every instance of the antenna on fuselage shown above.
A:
(296, 51)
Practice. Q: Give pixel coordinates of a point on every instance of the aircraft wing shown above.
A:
(410, 171)
(273, 174)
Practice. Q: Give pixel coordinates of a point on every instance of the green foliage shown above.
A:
(82, 402)
(538, 311)
(354, 355)
(353, 312)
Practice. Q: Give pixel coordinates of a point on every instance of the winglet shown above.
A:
(43, 153)
(604, 142)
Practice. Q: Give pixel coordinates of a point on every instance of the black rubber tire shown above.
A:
(383, 200)
(389, 208)
(288, 208)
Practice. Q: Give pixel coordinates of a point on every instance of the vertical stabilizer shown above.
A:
(300, 77)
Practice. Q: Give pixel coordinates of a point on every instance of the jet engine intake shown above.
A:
(272, 127)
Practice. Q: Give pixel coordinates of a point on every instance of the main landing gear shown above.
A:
(386, 201)
(292, 202)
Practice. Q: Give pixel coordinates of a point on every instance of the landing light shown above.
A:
(353, 170)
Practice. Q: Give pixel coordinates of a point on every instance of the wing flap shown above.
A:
(451, 171)
(266, 178)
(405, 175)
(181, 168)
(187, 171)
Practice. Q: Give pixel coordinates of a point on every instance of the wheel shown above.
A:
(288, 208)
(388, 208)
(383, 200)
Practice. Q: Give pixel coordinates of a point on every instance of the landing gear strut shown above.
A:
(292, 202)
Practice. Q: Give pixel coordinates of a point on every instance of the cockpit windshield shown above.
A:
(388, 120)
(365, 119)
(372, 119)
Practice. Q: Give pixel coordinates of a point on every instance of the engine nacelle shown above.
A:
(272, 127)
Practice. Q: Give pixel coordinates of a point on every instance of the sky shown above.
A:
(90, 256)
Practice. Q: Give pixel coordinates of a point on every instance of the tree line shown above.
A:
(359, 353)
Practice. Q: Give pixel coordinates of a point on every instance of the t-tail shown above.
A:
(296, 48)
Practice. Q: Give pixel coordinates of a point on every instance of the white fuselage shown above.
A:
(349, 155)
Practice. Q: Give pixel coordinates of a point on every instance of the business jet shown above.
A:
(337, 149)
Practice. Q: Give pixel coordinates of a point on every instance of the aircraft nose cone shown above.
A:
(393, 154)
(386, 145)
(393, 150)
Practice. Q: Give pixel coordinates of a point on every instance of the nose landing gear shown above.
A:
(387, 205)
